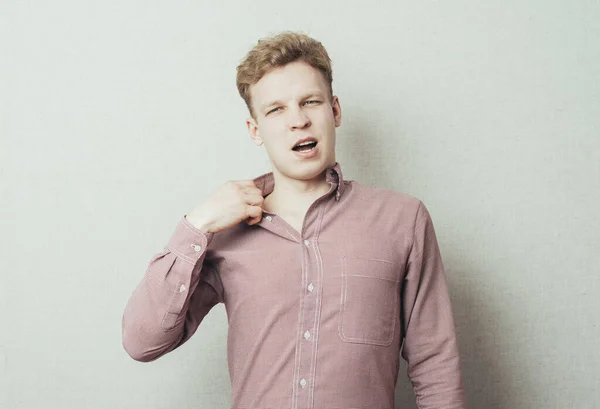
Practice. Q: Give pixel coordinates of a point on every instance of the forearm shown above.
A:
(432, 353)
(154, 320)
(430, 346)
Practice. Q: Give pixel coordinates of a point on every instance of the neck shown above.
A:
(293, 196)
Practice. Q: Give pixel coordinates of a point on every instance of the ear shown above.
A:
(253, 131)
(337, 111)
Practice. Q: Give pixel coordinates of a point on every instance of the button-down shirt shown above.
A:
(316, 318)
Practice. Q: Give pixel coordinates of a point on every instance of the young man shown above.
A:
(324, 280)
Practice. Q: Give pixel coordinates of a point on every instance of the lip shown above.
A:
(309, 154)
(307, 139)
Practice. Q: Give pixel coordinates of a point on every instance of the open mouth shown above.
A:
(305, 147)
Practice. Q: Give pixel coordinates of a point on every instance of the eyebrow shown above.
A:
(315, 93)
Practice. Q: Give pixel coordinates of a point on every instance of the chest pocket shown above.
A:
(369, 308)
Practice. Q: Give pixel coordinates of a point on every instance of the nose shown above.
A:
(298, 119)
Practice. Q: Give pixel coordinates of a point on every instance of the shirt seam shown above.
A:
(414, 233)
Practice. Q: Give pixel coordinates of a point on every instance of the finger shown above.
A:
(254, 199)
(246, 183)
(254, 212)
(254, 215)
(253, 221)
(251, 190)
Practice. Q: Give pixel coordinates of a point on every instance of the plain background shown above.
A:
(118, 117)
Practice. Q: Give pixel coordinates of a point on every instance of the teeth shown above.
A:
(305, 143)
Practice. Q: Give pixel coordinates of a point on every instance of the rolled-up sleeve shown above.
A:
(176, 292)
(430, 347)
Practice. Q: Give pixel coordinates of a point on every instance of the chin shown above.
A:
(303, 169)
(308, 170)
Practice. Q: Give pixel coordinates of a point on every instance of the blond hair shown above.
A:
(277, 51)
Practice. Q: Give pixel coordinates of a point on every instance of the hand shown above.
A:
(234, 202)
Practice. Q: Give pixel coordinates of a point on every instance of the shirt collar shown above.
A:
(333, 175)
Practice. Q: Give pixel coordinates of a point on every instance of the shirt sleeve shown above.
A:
(430, 346)
(177, 291)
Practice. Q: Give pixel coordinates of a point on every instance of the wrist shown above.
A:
(199, 223)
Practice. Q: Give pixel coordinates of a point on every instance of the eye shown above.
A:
(312, 102)
(273, 110)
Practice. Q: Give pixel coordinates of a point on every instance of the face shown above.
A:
(291, 103)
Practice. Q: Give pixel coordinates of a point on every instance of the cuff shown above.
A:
(188, 242)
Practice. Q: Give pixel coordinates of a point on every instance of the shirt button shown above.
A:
(307, 335)
(269, 218)
(311, 287)
(182, 288)
(196, 247)
(303, 382)
(306, 243)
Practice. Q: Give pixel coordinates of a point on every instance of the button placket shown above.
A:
(308, 322)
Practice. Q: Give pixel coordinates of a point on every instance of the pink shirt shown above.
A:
(317, 319)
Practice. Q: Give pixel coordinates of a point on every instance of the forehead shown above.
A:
(287, 82)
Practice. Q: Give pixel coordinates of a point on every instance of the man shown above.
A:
(324, 280)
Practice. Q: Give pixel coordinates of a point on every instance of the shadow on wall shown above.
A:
(484, 376)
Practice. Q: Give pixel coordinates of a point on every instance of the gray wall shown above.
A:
(119, 116)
